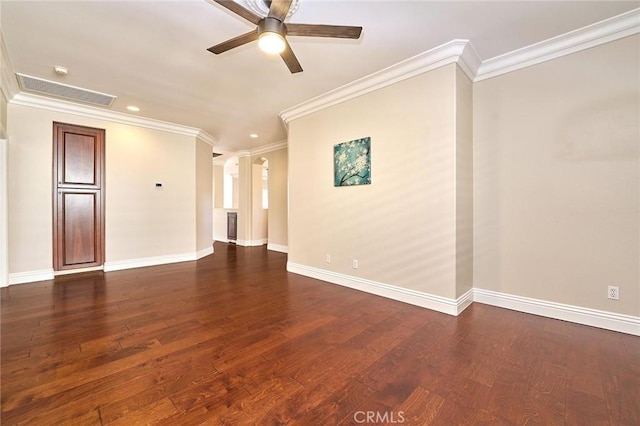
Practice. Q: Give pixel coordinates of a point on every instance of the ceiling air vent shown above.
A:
(64, 91)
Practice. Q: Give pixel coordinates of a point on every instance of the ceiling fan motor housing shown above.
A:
(272, 25)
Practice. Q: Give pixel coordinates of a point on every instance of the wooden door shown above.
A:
(78, 210)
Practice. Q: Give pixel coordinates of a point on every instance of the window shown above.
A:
(265, 185)
(230, 184)
(227, 192)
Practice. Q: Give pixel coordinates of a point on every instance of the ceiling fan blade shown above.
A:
(239, 10)
(279, 9)
(234, 42)
(312, 30)
(290, 59)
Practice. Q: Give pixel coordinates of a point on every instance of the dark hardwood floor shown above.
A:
(234, 339)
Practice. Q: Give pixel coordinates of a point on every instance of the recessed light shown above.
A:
(253, 135)
(133, 108)
(60, 70)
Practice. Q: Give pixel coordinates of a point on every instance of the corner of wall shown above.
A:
(464, 181)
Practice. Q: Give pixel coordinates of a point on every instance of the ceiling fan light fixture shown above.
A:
(272, 43)
(271, 34)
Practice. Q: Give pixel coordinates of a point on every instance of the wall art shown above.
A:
(352, 163)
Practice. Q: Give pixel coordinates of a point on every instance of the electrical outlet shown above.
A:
(613, 292)
(327, 258)
(354, 263)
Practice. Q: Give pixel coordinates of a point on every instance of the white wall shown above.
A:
(557, 180)
(402, 228)
(142, 221)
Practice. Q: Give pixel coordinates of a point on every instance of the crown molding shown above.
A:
(206, 138)
(448, 53)
(469, 61)
(268, 148)
(606, 31)
(219, 161)
(461, 52)
(34, 101)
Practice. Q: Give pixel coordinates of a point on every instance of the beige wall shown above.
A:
(245, 199)
(464, 183)
(219, 213)
(30, 189)
(556, 178)
(277, 216)
(3, 116)
(141, 220)
(4, 225)
(218, 185)
(402, 227)
(204, 196)
(258, 214)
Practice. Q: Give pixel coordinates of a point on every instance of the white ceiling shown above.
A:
(152, 53)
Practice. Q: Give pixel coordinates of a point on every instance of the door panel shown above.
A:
(79, 160)
(78, 210)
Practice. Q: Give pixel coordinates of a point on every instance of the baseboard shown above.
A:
(30, 276)
(77, 270)
(585, 316)
(244, 243)
(118, 265)
(429, 301)
(251, 243)
(277, 247)
(204, 252)
(148, 261)
(607, 320)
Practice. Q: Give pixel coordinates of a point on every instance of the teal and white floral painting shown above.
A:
(352, 163)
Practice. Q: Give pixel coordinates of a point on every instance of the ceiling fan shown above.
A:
(271, 31)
